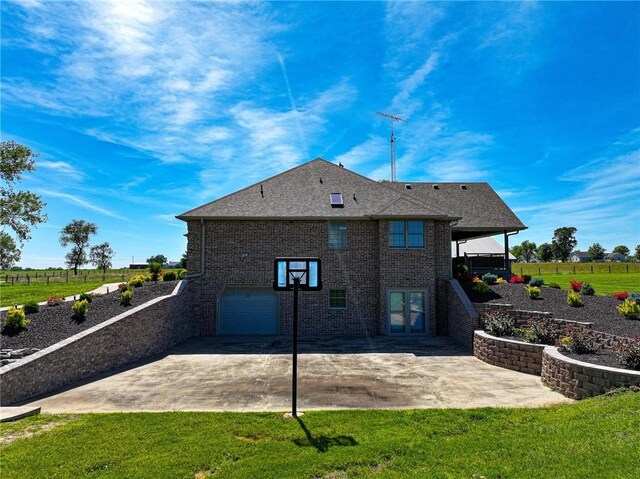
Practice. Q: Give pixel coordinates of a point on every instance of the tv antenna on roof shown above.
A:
(392, 120)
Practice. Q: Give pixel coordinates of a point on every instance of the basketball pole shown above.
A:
(294, 341)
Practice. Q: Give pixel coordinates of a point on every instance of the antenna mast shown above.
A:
(392, 120)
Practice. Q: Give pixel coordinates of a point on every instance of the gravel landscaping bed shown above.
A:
(602, 357)
(599, 310)
(55, 323)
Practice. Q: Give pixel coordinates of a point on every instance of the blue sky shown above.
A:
(143, 110)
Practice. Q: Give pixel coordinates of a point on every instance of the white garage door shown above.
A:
(248, 311)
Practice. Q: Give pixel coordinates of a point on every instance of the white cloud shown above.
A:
(81, 202)
(61, 167)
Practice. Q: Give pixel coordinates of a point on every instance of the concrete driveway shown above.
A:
(254, 374)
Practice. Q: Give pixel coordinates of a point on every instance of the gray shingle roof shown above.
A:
(303, 193)
(477, 204)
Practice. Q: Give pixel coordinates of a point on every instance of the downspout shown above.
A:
(507, 261)
(202, 239)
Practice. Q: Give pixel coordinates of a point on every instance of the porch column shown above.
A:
(507, 263)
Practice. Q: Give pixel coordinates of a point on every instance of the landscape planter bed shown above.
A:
(578, 379)
(571, 377)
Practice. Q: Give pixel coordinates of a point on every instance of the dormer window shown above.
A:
(336, 200)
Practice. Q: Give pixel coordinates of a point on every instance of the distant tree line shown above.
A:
(562, 245)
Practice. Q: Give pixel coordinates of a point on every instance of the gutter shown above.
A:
(202, 240)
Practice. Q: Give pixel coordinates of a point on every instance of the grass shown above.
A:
(598, 437)
(539, 269)
(605, 284)
(39, 290)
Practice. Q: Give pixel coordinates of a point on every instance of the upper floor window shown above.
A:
(337, 235)
(406, 234)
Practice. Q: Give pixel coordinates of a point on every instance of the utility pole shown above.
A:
(392, 119)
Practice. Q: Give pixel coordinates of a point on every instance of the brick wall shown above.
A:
(508, 353)
(241, 253)
(141, 332)
(579, 380)
(461, 316)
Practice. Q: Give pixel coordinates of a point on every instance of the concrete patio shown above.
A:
(254, 374)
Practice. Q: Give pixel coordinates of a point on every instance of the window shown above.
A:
(336, 200)
(406, 234)
(338, 298)
(337, 235)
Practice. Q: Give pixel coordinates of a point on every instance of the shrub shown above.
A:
(489, 278)
(515, 279)
(532, 291)
(80, 308)
(501, 281)
(136, 281)
(125, 297)
(537, 282)
(88, 297)
(480, 287)
(621, 296)
(635, 296)
(587, 290)
(155, 269)
(527, 278)
(54, 301)
(31, 307)
(523, 333)
(574, 299)
(182, 273)
(554, 285)
(170, 276)
(15, 319)
(629, 309)
(498, 323)
(543, 332)
(630, 356)
(577, 343)
(575, 285)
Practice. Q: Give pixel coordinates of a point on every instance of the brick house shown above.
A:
(385, 251)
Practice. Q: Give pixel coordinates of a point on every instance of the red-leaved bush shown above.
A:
(576, 285)
(621, 296)
(515, 279)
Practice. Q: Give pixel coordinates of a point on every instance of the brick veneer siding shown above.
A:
(508, 353)
(241, 253)
(139, 333)
(579, 380)
(462, 317)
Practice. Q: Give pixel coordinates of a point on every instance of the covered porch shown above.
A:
(481, 253)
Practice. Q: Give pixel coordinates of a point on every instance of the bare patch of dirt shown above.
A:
(33, 430)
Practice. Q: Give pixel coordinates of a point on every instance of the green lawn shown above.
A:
(38, 289)
(605, 284)
(538, 269)
(594, 438)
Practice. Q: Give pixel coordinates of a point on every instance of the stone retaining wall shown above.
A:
(600, 340)
(143, 331)
(462, 317)
(579, 380)
(508, 353)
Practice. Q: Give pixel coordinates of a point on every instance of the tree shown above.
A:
(101, 256)
(596, 252)
(159, 258)
(9, 252)
(516, 251)
(637, 252)
(183, 260)
(19, 210)
(563, 242)
(528, 250)
(622, 249)
(545, 252)
(77, 233)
